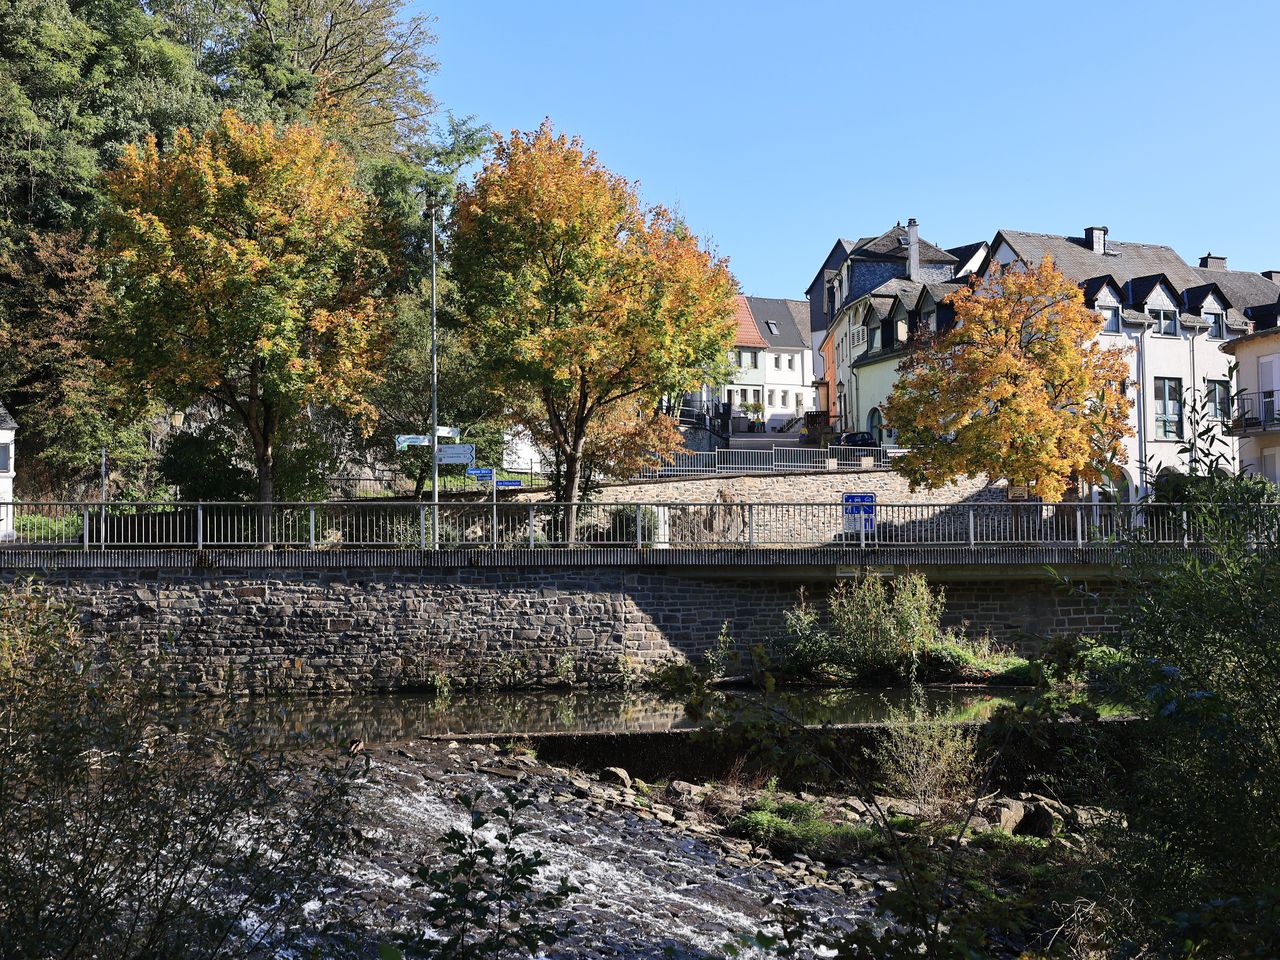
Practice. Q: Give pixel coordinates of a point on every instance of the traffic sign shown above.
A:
(509, 483)
(448, 433)
(406, 440)
(480, 473)
(859, 513)
(463, 453)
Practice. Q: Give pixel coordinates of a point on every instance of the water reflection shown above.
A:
(375, 718)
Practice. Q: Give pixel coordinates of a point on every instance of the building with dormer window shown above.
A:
(1174, 316)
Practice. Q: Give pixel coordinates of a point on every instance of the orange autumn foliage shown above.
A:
(1019, 388)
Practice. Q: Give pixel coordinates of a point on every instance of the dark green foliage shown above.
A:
(132, 827)
(488, 902)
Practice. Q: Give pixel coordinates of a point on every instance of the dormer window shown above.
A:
(1217, 325)
(930, 320)
(873, 336)
(1165, 322)
(773, 327)
(1110, 319)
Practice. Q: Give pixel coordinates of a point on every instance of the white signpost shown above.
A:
(860, 514)
(456, 453)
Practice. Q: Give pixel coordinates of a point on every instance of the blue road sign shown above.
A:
(509, 483)
(859, 512)
(480, 473)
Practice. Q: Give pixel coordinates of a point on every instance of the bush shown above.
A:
(131, 827)
(925, 759)
(797, 827)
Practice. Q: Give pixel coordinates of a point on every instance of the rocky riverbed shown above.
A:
(655, 878)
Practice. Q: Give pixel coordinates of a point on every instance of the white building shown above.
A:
(771, 365)
(8, 429)
(1174, 316)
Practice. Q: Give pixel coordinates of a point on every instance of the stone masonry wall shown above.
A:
(360, 631)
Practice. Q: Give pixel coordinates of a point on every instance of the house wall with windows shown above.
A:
(1254, 417)
(771, 362)
(8, 433)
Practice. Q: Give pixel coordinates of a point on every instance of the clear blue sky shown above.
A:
(776, 127)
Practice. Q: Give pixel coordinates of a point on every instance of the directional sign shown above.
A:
(405, 441)
(448, 433)
(509, 483)
(464, 453)
(859, 512)
(480, 473)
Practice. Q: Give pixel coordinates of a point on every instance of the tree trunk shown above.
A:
(572, 483)
(265, 457)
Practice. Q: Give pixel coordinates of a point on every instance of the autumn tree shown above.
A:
(246, 274)
(1018, 388)
(578, 301)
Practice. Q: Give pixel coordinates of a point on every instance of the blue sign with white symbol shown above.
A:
(480, 473)
(859, 513)
(509, 483)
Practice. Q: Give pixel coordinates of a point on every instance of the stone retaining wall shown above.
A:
(327, 630)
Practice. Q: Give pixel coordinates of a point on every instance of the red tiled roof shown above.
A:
(748, 334)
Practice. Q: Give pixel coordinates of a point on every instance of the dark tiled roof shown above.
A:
(943, 289)
(1095, 285)
(839, 253)
(1141, 262)
(6, 420)
(890, 246)
(964, 254)
(791, 317)
(1196, 296)
(1139, 289)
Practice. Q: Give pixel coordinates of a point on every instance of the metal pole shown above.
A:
(102, 493)
(494, 480)
(435, 405)
(199, 526)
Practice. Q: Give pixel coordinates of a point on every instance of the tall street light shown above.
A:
(435, 406)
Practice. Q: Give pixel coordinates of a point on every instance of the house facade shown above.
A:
(8, 431)
(1173, 316)
(770, 365)
(1254, 416)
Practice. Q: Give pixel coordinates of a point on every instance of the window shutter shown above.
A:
(1267, 373)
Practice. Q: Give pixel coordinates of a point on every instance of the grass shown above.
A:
(42, 529)
(793, 826)
(957, 659)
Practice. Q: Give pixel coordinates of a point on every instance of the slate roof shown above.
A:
(839, 253)
(747, 335)
(965, 252)
(6, 420)
(790, 316)
(1142, 263)
(890, 246)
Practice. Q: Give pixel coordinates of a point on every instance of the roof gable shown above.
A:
(891, 245)
(747, 334)
(781, 323)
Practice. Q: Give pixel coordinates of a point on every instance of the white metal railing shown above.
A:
(392, 525)
(779, 459)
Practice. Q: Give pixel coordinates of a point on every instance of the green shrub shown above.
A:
(792, 830)
(929, 760)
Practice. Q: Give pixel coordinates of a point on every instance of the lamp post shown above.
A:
(435, 406)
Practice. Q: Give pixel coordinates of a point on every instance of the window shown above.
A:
(890, 331)
(1168, 408)
(755, 359)
(755, 396)
(4, 457)
(873, 334)
(930, 320)
(770, 396)
(784, 398)
(742, 396)
(1217, 326)
(1110, 319)
(777, 361)
(1218, 399)
(1166, 322)
(773, 327)
(791, 361)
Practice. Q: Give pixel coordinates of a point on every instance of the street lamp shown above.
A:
(176, 420)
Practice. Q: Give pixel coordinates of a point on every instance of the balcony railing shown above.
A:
(1254, 413)
(670, 526)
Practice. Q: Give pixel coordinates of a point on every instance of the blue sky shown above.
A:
(776, 127)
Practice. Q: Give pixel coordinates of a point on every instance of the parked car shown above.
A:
(861, 439)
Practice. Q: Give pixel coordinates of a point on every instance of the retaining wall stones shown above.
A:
(366, 630)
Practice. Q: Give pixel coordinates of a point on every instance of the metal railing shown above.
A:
(1254, 412)
(779, 459)
(506, 525)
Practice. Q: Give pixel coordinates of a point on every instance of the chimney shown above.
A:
(913, 249)
(1272, 275)
(1210, 262)
(1096, 239)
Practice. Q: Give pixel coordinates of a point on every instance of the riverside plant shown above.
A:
(132, 827)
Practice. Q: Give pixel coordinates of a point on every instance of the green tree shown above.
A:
(250, 275)
(585, 307)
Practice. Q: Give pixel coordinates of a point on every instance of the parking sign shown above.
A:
(859, 513)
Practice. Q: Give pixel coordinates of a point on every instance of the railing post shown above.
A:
(1186, 529)
(311, 526)
(751, 524)
(1079, 525)
(84, 526)
(102, 526)
(862, 529)
(532, 520)
(199, 526)
(972, 524)
(639, 532)
(435, 526)
(422, 526)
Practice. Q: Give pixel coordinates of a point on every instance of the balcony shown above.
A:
(1254, 413)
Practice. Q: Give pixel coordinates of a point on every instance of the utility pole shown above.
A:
(435, 405)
